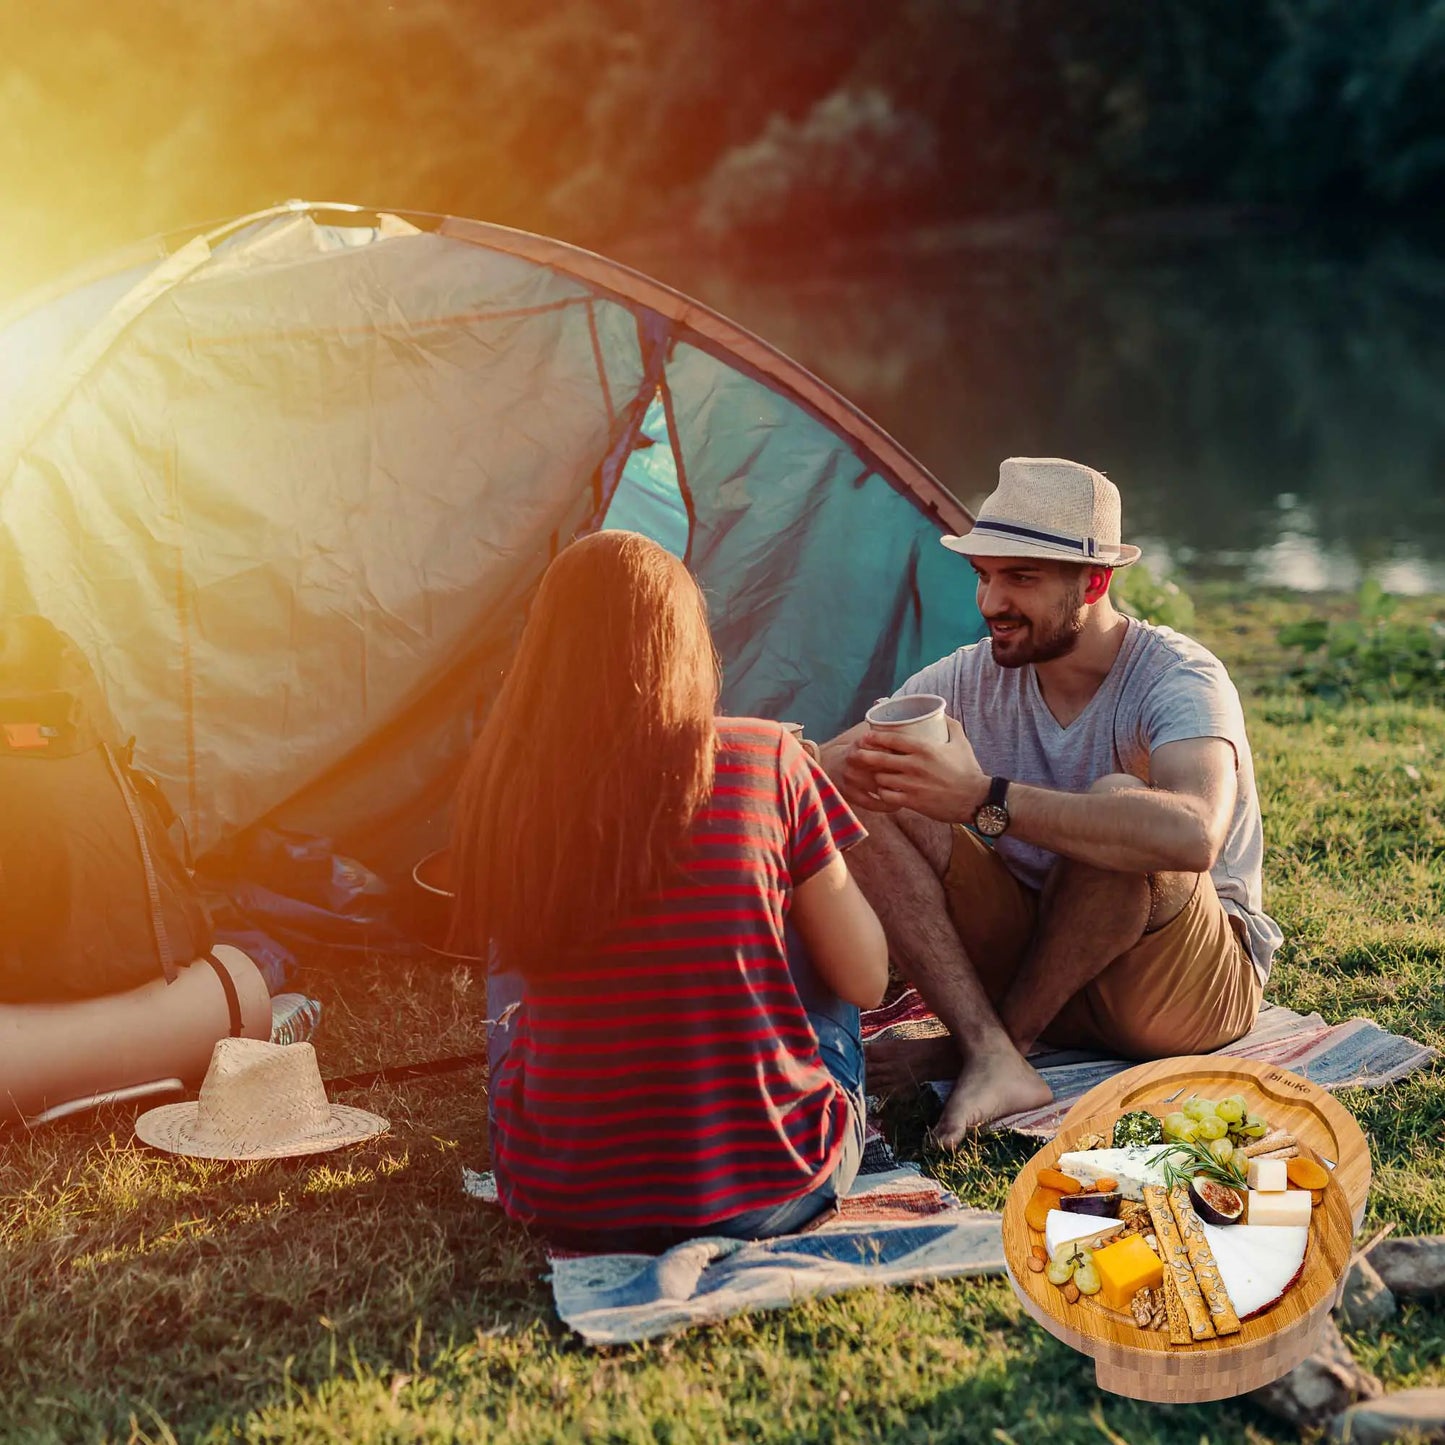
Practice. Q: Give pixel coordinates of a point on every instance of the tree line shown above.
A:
(734, 122)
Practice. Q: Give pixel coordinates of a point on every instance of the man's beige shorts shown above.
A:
(1187, 988)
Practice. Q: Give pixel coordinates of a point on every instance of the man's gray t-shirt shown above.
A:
(1163, 688)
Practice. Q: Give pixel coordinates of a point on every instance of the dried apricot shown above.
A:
(1064, 1183)
(1306, 1174)
(1036, 1213)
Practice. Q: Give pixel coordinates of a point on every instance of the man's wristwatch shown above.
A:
(992, 818)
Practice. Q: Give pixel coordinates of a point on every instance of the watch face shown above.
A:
(991, 819)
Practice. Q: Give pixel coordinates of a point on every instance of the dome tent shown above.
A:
(289, 483)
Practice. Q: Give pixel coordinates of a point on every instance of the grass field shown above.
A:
(362, 1298)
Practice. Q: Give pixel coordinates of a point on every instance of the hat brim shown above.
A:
(973, 544)
(169, 1128)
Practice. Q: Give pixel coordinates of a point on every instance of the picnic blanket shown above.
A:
(896, 1226)
(1355, 1054)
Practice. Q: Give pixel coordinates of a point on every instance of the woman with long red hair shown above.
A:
(637, 867)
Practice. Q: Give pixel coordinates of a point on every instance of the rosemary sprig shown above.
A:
(1197, 1160)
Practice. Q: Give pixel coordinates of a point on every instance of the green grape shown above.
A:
(1211, 1127)
(1060, 1272)
(1200, 1108)
(1222, 1150)
(1232, 1110)
(1178, 1126)
(1254, 1127)
(1086, 1278)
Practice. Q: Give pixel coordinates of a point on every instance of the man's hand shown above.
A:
(939, 780)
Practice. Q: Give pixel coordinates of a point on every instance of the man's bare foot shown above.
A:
(990, 1086)
(894, 1064)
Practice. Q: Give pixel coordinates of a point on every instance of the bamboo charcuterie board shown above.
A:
(1143, 1363)
(1322, 1122)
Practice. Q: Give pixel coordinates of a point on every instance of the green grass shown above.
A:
(361, 1297)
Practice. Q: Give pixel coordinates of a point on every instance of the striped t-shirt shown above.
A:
(672, 1080)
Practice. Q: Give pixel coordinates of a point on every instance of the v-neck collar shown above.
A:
(1041, 704)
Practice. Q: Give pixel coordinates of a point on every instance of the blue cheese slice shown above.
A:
(1129, 1168)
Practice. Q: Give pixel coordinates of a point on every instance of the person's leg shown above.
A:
(834, 1021)
(902, 868)
(1187, 987)
(1091, 920)
(504, 1002)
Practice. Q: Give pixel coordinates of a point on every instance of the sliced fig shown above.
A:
(1103, 1206)
(1216, 1203)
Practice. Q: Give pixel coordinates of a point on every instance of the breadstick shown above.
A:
(1290, 1151)
(1201, 1260)
(1174, 1312)
(1279, 1139)
(1176, 1263)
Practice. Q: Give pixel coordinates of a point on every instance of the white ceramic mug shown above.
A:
(920, 715)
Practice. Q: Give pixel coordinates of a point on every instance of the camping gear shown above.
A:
(54, 1054)
(894, 1227)
(259, 1100)
(312, 462)
(1049, 507)
(432, 897)
(94, 898)
(1355, 1054)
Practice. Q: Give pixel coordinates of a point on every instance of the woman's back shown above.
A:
(670, 1077)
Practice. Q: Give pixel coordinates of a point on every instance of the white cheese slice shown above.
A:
(1063, 1227)
(1258, 1263)
(1130, 1168)
(1288, 1210)
(1269, 1176)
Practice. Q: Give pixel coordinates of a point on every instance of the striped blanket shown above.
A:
(1355, 1054)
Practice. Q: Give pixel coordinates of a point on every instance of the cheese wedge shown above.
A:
(1129, 1168)
(1061, 1227)
(1258, 1263)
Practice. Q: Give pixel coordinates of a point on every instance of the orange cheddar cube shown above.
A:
(1125, 1268)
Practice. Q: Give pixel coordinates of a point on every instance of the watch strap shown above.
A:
(997, 792)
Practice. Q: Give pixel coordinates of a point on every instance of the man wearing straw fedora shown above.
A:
(1079, 863)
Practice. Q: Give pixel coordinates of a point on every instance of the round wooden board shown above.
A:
(1321, 1121)
(1142, 1363)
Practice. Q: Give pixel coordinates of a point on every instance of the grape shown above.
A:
(1086, 1278)
(1231, 1110)
(1222, 1150)
(1178, 1126)
(1060, 1272)
(1199, 1108)
(1211, 1126)
(1254, 1127)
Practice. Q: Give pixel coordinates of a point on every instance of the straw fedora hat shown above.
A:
(1048, 507)
(259, 1101)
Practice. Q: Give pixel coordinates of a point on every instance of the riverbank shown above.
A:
(361, 1298)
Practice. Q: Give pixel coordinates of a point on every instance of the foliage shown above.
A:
(1162, 602)
(596, 119)
(852, 152)
(1371, 655)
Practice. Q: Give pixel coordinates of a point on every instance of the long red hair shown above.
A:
(579, 796)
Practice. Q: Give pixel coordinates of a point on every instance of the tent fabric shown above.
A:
(290, 487)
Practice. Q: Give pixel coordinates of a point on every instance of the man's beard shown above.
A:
(1054, 637)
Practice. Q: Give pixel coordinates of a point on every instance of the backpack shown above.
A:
(94, 898)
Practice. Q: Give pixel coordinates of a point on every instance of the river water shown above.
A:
(1272, 408)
